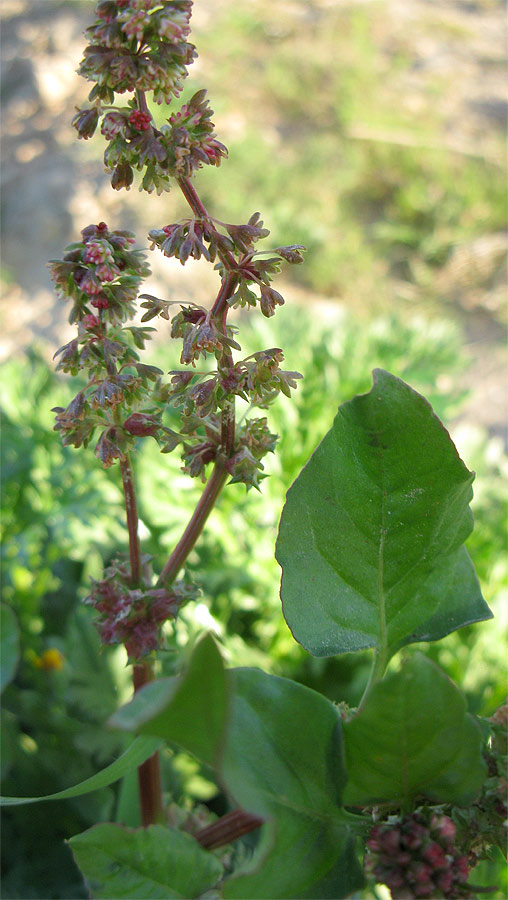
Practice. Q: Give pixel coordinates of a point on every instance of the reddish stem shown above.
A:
(201, 212)
(149, 775)
(221, 306)
(193, 199)
(213, 487)
(227, 829)
(131, 510)
(149, 772)
(142, 104)
(219, 475)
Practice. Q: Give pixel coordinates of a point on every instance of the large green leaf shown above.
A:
(191, 711)
(284, 761)
(134, 756)
(371, 536)
(413, 738)
(152, 863)
(9, 647)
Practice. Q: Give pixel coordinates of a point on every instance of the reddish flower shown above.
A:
(90, 284)
(140, 120)
(444, 881)
(461, 869)
(444, 826)
(100, 301)
(90, 321)
(435, 855)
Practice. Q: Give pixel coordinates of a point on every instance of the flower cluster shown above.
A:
(201, 442)
(200, 333)
(201, 445)
(235, 249)
(141, 47)
(176, 150)
(202, 395)
(260, 379)
(106, 403)
(138, 45)
(134, 616)
(483, 824)
(255, 440)
(415, 856)
(101, 274)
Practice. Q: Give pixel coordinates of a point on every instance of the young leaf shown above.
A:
(191, 711)
(413, 738)
(370, 538)
(9, 649)
(134, 756)
(284, 762)
(152, 863)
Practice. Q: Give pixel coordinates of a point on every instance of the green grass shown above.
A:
(297, 92)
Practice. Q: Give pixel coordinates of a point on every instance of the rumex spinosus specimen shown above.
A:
(140, 48)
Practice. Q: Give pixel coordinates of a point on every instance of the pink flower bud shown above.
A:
(435, 855)
(390, 841)
(140, 120)
(461, 869)
(444, 826)
(444, 881)
(90, 321)
(100, 301)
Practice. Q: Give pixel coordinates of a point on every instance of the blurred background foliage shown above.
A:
(350, 138)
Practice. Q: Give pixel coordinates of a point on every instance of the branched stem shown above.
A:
(220, 307)
(219, 476)
(200, 210)
(131, 510)
(196, 524)
(193, 199)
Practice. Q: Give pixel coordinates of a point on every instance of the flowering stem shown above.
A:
(227, 289)
(219, 476)
(131, 509)
(141, 100)
(208, 498)
(200, 210)
(149, 773)
(149, 776)
(193, 199)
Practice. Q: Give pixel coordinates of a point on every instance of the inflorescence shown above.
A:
(141, 47)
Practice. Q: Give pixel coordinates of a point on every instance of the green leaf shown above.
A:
(152, 863)
(136, 754)
(413, 738)
(284, 761)
(191, 711)
(9, 646)
(371, 536)
(9, 736)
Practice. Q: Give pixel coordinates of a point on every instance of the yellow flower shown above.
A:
(51, 660)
